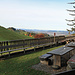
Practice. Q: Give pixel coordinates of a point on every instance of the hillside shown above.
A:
(27, 33)
(48, 32)
(17, 30)
(6, 34)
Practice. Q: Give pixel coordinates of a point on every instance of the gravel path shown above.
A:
(47, 68)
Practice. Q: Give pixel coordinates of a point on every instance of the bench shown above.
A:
(45, 59)
(59, 54)
(71, 63)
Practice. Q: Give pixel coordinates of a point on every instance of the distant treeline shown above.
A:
(31, 34)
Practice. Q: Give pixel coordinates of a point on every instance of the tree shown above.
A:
(69, 31)
(72, 22)
(12, 28)
(30, 35)
(39, 35)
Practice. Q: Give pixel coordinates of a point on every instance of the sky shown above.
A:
(35, 14)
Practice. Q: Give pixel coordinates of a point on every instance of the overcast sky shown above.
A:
(35, 14)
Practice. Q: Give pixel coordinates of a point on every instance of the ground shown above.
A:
(47, 68)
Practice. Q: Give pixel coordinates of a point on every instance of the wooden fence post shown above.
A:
(54, 39)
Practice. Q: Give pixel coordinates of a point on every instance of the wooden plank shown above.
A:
(57, 60)
(45, 56)
(24, 50)
(61, 51)
(10, 46)
(4, 45)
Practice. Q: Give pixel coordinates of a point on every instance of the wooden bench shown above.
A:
(71, 63)
(59, 54)
(45, 59)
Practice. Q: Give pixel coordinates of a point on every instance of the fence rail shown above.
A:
(23, 44)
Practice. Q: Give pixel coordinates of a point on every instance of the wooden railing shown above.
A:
(10, 46)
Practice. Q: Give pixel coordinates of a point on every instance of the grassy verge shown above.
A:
(22, 65)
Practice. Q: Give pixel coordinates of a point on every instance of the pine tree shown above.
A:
(73, 20)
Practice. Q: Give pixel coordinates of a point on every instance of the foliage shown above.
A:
(72, 22)
(39, 35)
(12, 28)
(17, 30)
(31, 34)
(22, 65)
(46, 35)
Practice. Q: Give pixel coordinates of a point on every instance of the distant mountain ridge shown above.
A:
(50, 32)
(44, 30)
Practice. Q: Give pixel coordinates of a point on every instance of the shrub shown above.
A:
(39, 35)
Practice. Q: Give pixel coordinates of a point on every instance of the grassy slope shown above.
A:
(6, 34)
(22, 65)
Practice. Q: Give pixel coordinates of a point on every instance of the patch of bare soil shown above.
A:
(47, 68)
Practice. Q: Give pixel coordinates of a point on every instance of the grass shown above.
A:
(6, 34)
(22, 65)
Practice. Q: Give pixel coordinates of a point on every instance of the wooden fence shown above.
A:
(10, 46)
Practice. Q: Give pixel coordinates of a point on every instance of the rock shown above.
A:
(55, 67)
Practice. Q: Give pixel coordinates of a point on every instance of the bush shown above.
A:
(39, 35)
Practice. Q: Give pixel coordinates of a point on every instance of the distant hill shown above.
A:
(6, 34)
(17, 30)
(50, 32)
(27, 33)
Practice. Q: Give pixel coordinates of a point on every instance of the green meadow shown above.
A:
(6, 34)
(22, 65)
